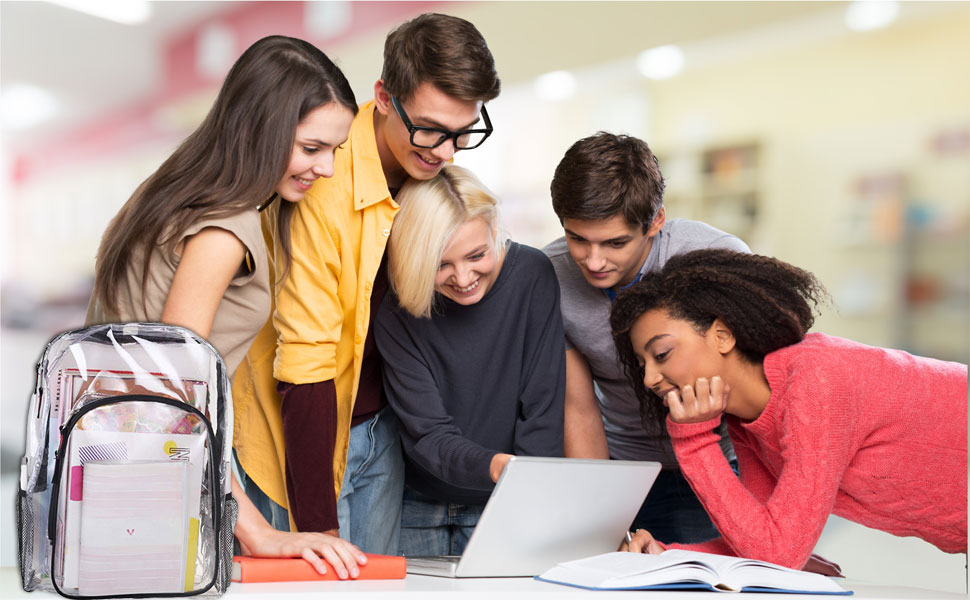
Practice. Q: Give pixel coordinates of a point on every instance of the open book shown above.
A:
(682, 569)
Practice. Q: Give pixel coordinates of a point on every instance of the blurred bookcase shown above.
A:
(720, 185)
(887, 234)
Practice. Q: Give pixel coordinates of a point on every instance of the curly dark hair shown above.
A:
(766, 303)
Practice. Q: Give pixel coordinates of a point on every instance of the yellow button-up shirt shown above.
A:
(322, 307)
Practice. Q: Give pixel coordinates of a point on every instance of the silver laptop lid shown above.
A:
(547, 510)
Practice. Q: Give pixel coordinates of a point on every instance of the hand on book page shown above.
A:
(683, 569)
(252, 569)
(642, 541)
(822, 566)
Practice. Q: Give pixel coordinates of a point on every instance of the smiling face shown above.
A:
(316, 139)
(429, 107)
(611, 251)
(469, 265)
(672, 352)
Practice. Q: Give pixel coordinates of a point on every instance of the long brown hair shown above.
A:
(233, 162)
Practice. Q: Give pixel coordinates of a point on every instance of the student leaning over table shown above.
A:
(320, 445)
(187, 247)
(820, 424)
(473, 349)
(608, 194)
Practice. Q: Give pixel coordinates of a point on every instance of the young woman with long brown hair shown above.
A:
(188, 246)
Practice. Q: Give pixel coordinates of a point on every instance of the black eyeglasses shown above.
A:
(432, 137)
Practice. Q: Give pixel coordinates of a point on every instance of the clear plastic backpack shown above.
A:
(125, 481)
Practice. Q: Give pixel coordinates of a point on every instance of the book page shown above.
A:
(684, 569)
(630, 570)
(737, 573)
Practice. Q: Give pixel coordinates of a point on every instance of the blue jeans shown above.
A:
(673, 514)
(433, 528)
(277, 516)
(369, 506)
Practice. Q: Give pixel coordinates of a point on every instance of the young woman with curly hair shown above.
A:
(820, 424)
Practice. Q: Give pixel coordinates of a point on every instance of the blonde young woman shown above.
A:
(474, 359)
(188, 249)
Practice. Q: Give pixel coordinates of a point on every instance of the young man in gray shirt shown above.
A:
(608, 194)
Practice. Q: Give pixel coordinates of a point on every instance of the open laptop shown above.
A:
(544, 511)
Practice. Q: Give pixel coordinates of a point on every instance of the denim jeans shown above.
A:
(433, 528)
(369, 506)
(673, 514)
(278, 517)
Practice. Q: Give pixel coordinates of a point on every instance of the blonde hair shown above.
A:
(431, 212)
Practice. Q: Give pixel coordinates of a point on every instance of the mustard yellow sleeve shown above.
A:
(309, 314)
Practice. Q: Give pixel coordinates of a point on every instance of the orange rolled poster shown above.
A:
(251, 569)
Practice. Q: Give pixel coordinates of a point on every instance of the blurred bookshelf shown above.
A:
(720, 185)
(730, 190)
(935, 264)
(891, 243)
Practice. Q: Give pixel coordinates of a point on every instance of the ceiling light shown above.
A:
(23, 106)
(215, 51)
(867, 15)
(327, 19)
(555, 86)
(126, 12)
(662, 62)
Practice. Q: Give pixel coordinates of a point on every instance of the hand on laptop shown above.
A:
(642, 541)
(498, 465)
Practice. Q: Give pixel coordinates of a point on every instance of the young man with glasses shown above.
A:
(608, 194)
(314, 434)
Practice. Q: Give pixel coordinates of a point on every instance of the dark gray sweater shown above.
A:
(473, 381)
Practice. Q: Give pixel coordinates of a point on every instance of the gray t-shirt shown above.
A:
(586, 317)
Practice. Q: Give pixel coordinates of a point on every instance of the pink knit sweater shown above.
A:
(876, 436)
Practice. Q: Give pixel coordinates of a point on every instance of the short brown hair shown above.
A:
(448, 52)
(605, 175)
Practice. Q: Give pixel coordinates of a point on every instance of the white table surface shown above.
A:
(416, 587)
